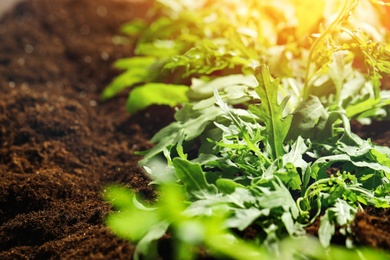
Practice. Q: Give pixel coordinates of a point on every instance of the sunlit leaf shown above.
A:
(156, 93)
(271, 111)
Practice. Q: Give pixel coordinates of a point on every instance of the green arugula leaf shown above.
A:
(148, 245)
(290, 177)
(341, 213)
(190, 123)
(295, 155)
(277, 126)
(137, 71)
(383, 191)
(156, 93)
(273, 194)
(193, 178)
(308, 120)
(129, 210)
(201, 89)
(227, 186)
(326, 229)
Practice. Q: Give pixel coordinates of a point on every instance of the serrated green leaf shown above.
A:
(308, 119)
(383, 190)
(192, 122)
(147, 246)
(290, 177)
(372, 180)
(277, 126)
(326, 229)
(201, 89)
(380, 157)
(193, 178)
(242, 218)
(277, 195)
(293, 228)
(345, 213)
(380, 203)
(295, 155)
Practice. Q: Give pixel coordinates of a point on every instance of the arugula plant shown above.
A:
(208, 232)
(257, 180)
(247, 150)
(205, 39)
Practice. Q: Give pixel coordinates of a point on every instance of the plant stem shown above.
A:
(328, 30)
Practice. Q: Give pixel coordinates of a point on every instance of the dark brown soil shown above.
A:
(60, 146)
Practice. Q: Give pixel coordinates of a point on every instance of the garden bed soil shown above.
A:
(60, 145)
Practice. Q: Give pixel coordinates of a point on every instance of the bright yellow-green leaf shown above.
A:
(156, 93)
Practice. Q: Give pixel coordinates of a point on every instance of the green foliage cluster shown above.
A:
(263, 140)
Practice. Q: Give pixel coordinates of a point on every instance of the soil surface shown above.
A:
(60, 146)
